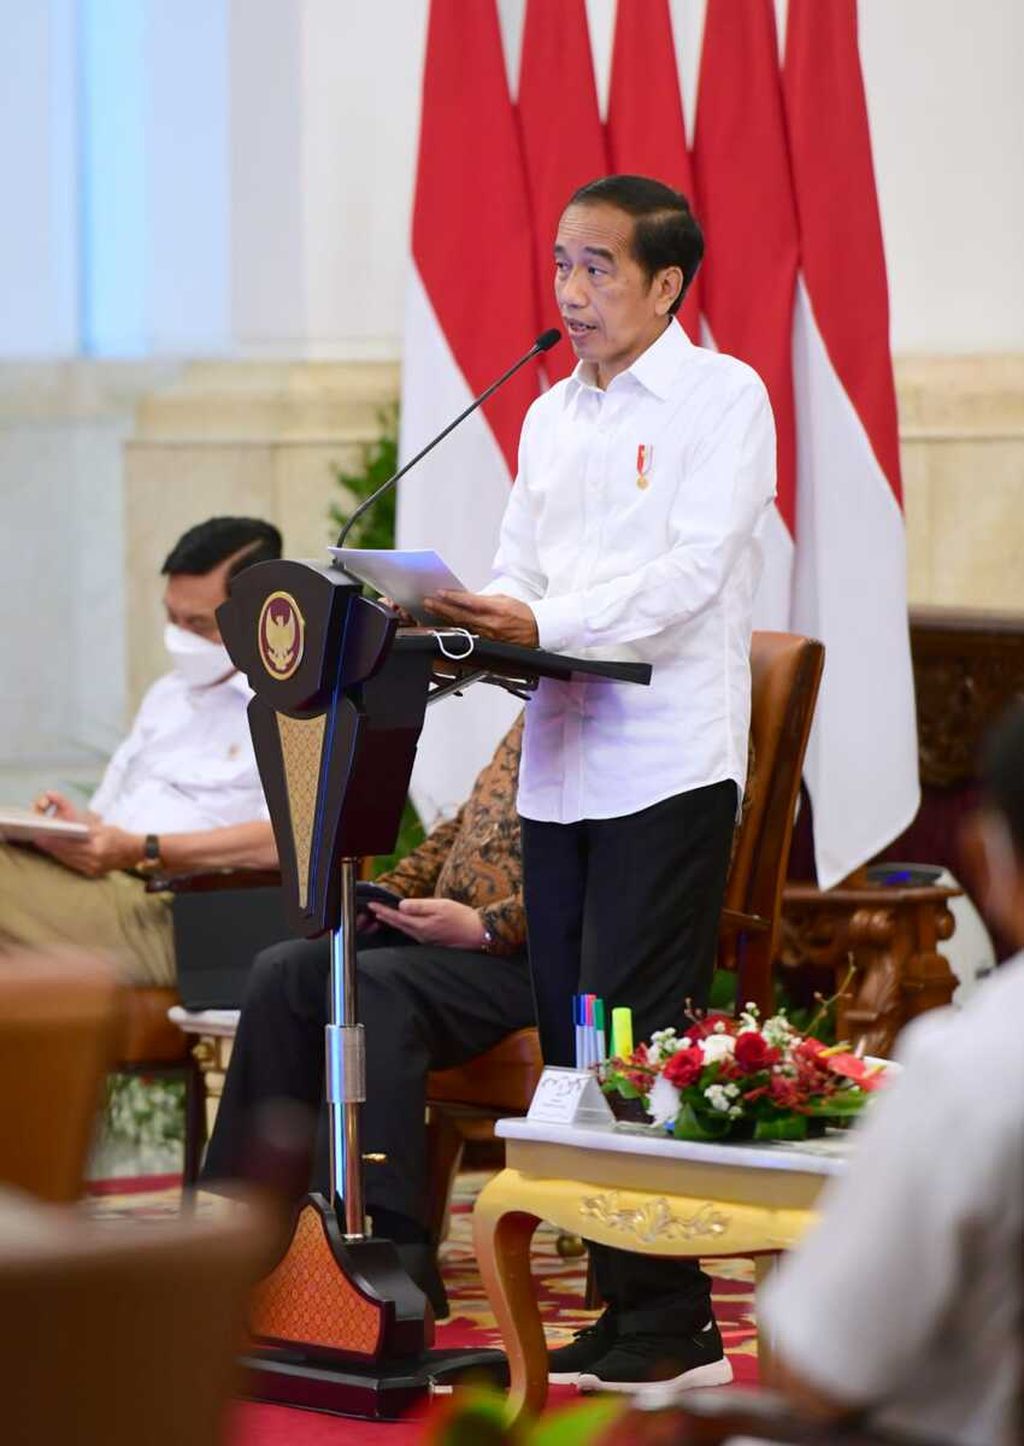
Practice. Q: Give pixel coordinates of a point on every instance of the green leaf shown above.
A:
(690, 1126)
(787, 1127)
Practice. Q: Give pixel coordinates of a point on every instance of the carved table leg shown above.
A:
(501, 1238)
(764, 1268)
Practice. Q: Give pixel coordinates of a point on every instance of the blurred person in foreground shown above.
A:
(182, 792)
(907, 1300)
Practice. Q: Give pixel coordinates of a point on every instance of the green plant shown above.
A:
(144, 1111)
(377, 461)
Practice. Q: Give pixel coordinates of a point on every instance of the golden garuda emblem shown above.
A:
(281, 635)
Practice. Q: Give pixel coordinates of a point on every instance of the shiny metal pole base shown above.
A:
(383, 1392)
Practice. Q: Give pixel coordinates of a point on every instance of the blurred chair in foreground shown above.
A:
(59, 1018)
(117, 1339)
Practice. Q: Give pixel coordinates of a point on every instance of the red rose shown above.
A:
(752, 1053)
(783, 1092)
(684, 1067)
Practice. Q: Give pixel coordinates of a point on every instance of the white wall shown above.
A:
(258, 199)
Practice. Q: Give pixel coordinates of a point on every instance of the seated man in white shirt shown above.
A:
(182, 791)
(908, 1298)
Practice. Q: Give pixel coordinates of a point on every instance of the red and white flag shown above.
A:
(850, 580)
(470, 311)
(563, 139)
(745, 205)
(645, 129)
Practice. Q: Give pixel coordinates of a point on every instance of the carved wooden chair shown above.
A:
(785, 675)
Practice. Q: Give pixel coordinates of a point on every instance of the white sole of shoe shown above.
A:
(660, 1393)
(563, 1378)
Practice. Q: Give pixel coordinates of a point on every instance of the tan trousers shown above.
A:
(42, 903)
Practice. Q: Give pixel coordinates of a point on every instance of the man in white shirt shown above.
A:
(182, 791)
(907, 1300)
(632, 532)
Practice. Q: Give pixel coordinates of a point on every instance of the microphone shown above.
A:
(544, 342)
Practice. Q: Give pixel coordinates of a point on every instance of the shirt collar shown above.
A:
(655, 369)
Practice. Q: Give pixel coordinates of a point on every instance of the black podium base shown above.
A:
(374, 1393)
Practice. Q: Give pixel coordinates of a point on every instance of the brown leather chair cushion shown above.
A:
(502, 1079)
(147, 1035)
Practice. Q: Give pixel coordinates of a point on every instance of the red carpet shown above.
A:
(560, 1286)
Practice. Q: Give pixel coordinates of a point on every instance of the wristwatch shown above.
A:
(150, 861)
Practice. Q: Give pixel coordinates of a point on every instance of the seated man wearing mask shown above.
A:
(181, 792)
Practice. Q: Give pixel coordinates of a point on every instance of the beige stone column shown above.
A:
(962, 445)
(245, 438)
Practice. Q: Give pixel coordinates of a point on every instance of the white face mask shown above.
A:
(199, 661)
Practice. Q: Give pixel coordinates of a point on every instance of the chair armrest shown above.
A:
(213, 881)
(733, 921)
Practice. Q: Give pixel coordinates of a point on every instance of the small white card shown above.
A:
(569, 1097)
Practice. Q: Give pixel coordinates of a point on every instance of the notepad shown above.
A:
(24, 825)
(405, 577)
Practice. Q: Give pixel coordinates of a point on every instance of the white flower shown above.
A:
(717, 1046)
(735, 1112)
(717, 1098)
(663, 1045)
(732, 1090)
(778, 1032)
(663, 1101)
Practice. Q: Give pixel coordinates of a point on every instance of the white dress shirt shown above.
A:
(908, 1295)
(663, 572)
(187, 764)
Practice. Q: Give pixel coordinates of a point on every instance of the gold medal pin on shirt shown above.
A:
(644, 458)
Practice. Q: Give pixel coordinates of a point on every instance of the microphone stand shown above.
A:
(544, 342)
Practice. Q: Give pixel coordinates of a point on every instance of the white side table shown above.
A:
(213, 1032)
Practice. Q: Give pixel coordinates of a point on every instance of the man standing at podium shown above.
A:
(632, 532)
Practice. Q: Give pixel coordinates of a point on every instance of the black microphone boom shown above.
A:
(544, 342)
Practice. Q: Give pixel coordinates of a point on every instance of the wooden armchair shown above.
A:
(58, 1028)
(785, 674)
(113, 1337)
(225, 918)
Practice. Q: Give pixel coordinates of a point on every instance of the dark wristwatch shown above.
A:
(150, 861)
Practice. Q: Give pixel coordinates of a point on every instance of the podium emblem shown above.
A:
(281, 635)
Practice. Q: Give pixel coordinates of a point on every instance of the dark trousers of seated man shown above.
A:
(423, 1008)
(628, 909)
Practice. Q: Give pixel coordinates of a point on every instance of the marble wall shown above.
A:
(62, 427)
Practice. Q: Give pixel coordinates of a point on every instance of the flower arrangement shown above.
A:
(740, 1078)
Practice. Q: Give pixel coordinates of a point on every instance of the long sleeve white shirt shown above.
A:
(187, 764)
(651, 557)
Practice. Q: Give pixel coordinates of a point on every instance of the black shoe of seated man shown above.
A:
(586, 1348)
(420, 1263)
(656, 1368)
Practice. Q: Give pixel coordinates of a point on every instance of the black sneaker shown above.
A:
(656, 1368)
(586, 1348)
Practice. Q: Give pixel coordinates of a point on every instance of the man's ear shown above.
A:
(669, 284)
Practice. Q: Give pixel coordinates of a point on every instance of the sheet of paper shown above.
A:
(405, 577)
(25, 825)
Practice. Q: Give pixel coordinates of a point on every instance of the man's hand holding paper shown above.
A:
(491, 615)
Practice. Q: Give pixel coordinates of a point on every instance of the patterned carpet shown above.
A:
(560, 1289)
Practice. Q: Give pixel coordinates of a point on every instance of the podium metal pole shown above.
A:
(345, 1052)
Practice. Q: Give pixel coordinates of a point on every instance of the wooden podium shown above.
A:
(340, 698)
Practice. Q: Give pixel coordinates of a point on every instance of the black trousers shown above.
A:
(423, 1008)
(627, 908)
